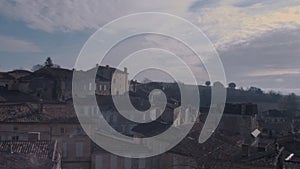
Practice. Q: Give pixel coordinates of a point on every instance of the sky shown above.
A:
(257, 41)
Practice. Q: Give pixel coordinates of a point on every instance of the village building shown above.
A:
(29, 155)
(47, 122)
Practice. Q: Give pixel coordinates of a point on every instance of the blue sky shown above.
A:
(258, 41)
(22, 47)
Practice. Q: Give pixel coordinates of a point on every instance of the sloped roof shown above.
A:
(19, 161)
(104, 72)
(43, 148)
(19, 73)
(275, 113)
(217, 147)
(9, 96)
(151, 129)
(30, 113)
(50, 73)
(4, 75)
(27, 154)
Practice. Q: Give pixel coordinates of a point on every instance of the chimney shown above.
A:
(41, 106)
(107, 66)
(125, 69)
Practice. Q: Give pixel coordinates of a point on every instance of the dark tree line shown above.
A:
(48, 63)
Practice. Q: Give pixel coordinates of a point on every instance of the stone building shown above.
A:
(55, 84)
(9, 80)
(275, 123)
(48, 84)
(107, 81)
(19, 73)
(6, 81)
(29, 155)
(169, 160)
(56, 122)
(239, 119)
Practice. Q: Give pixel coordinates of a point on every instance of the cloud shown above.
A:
(258, 41)
(226, 22)
(234, 22)
(77, 15)
(11, 44)
(274, 72)
(269, 61)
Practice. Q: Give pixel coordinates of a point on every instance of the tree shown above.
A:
(289, 103)
(49, 62)
(232, 85)
(36, 67)
(146, 80)
(255, 90)
(207, 83)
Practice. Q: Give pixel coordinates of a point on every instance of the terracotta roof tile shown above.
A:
(27, 154)
(4, 75)
(31, 113)
(42, 149)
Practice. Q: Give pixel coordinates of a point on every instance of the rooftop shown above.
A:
(42, 149)
(4, 75)
(50, 73)
(14, 96)
(27, 154)
(31, 113)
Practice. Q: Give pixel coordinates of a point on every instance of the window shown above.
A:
(23, 138)
(127, 163)
(156, 163)
(65, 149)
(86, 109)
(100, 87)
(99, 162)
(7, 138)
(115, 118)
(109, 118)
(62, 130)
(34, 136)
(90, 86)
(63, 86)
(124, 128)
(79, 149)
(90, 110)
(15, 138)
(79, 130)
(175, 163)
(95, 110)
(113, 162)
(104, 87)
(142, 163)
(188, 164)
